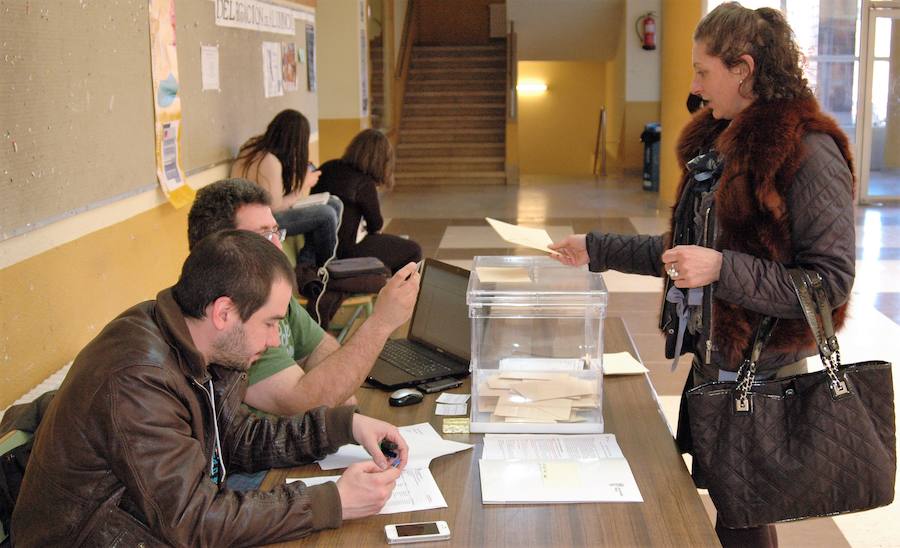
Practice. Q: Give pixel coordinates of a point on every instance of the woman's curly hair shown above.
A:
(731, 30)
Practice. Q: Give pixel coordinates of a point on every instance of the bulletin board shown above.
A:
(77, 127)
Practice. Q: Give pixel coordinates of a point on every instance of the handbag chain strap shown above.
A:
(817, 310)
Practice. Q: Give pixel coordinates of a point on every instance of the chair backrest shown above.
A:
(15, 446)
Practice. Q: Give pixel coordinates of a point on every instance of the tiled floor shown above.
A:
(449, 224)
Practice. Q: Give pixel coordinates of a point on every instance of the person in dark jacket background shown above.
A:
(767, 184)
(368, 163)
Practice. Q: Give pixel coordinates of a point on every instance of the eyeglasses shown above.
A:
(276, 233)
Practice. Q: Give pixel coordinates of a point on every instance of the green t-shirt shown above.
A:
(300, 335)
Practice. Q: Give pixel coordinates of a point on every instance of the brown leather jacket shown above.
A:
(124, 454)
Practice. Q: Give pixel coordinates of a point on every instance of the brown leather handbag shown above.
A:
(816, 444)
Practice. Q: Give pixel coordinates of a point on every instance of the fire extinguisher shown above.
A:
(645, 26)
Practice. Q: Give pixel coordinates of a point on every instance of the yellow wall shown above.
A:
(678, 19)
(55, 302)
(336, 134)
(558, 129)
(615, 104)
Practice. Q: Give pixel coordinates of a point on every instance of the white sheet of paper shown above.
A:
(622, 363)
(536, 238)
(451, 409)
(273, 85)
(447, 397)
(209, 68)
(545, 447)
(602, 480)
(414, 490)
(425, 445)
(541, 364)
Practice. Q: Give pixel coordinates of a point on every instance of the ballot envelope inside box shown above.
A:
(537, 346)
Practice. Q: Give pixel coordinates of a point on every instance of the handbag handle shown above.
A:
(817, 310)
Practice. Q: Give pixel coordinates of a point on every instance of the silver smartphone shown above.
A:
(424, 531)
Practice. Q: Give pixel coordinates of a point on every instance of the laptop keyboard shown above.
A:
(416, 364)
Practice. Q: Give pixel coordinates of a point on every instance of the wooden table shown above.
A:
(671, 514)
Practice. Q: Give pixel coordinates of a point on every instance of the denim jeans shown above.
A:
(318, 224)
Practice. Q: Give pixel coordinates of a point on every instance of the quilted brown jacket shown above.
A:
(123, 456)
(784, 198)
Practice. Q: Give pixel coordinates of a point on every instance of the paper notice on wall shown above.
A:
(209, 68)
(273, 85)
(289, 66)
(167, 103)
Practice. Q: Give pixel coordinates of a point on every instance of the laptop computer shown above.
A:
(438, 345)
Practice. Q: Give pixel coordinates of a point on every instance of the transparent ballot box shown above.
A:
(537, 346)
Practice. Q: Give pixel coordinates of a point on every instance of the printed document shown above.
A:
(517, 468)
(415, 490)
(425, 444)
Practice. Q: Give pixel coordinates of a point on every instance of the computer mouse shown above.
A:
(405, 396)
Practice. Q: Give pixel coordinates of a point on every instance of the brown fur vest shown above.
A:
(763, 150)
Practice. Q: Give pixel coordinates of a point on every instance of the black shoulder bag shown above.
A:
(811, 445)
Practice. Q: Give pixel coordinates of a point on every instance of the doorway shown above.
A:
(878, 125)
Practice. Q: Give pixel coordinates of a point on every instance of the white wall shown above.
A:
(642, 67)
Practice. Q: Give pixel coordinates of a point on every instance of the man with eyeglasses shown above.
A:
(309, 368)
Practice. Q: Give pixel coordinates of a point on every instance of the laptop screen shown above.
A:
(441, 318)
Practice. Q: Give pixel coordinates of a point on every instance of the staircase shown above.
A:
(453, 128)
(376, 82)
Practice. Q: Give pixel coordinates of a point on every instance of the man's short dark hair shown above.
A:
(238, 264)
(215, 206)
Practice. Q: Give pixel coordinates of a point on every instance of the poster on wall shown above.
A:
(255, 15)
(273, 85)
(311, 57)
(167, 103)
(289, 66)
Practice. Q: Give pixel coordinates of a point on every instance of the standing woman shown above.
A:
(767, 184)
(278, 161)
(368, 163)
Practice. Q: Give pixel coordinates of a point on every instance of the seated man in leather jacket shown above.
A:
(136, 445)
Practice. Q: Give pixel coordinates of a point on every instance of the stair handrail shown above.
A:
(406, 40)
(600, 146)
(401, 72)
(512, 72)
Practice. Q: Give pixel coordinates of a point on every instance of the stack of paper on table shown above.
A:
(538, 396)
(553, 468)
(416, 488)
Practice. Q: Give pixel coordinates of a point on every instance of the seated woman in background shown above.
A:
(367, 164)
(278, 161)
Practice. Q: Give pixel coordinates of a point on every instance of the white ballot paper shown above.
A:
(536, 238)
(622, 363)
(447, 397)
(451, 409)
(517, 468)
(415, 490)
(425, 444)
